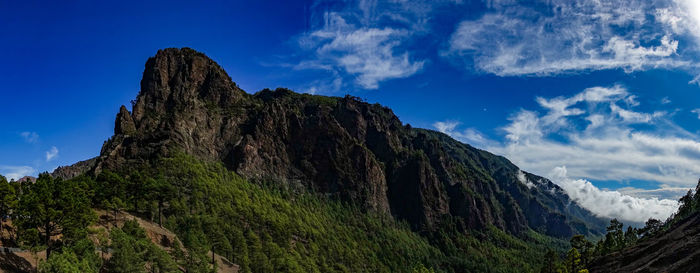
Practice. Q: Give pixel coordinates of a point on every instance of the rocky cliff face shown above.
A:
(343, 147)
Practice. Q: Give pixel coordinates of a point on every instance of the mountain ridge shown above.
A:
(357, 152)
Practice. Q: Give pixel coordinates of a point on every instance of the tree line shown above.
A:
(54, 216)
(583, 251)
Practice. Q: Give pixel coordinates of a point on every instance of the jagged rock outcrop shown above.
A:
(358, 152)
(79, 168)
(124, 125)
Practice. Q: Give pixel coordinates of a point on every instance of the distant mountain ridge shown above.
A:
(343, 147)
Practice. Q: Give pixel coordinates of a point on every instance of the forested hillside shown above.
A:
(262, 228)
(278, 181)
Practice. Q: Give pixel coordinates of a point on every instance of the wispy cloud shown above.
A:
(367, 52)
(364, 42)
(30, 137)
(16, 172)
(469, 135)
(696, 111)
(665, 192)
(561, 36)
(599, 134)
(51, 153)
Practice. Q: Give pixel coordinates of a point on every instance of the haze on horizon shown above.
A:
(599, 97)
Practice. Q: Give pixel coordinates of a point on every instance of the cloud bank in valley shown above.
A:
(613, 204)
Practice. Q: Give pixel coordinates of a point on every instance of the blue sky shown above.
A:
(599, 97)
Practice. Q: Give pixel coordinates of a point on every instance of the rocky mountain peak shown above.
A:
(179, 79)
(345, 148)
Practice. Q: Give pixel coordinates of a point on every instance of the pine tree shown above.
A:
(650, 227)
(66, 262)
(258, 259)
(8, 200)
(161, 191)
(630, 236)
(617, 238)
(551, 262)
(573, 260)
(584, 247)
(686, 205)
(218, 241)
(51, 207)
(197, 246)
(240, 250)
(133, 251)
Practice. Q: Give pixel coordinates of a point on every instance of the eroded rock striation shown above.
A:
(674, 250)
(357, 152)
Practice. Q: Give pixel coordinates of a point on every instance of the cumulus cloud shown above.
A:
(547, 37)
(51, 153)
(16, 172)
(30, 137)
(613, 204)
(596, 133)
(600, 135)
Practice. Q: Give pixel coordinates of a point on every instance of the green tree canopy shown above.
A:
(51, 207)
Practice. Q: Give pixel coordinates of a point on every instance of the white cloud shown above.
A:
(664, 192)
(613, 204)
(521, 177)
(16, 172)
(369, 53)
(51, 153)
(600, 135)
(30, 137)
(366, 42)
(469, 135)
(696, 111)
(665, 100)
(602, 142)
(561, 36)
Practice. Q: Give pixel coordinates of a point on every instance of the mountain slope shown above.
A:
(357, 152)
(674, 250)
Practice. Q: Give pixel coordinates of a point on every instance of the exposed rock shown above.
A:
(343, 147)
(675, 250)
(68, 172)
(27, 179)
(124, 124)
